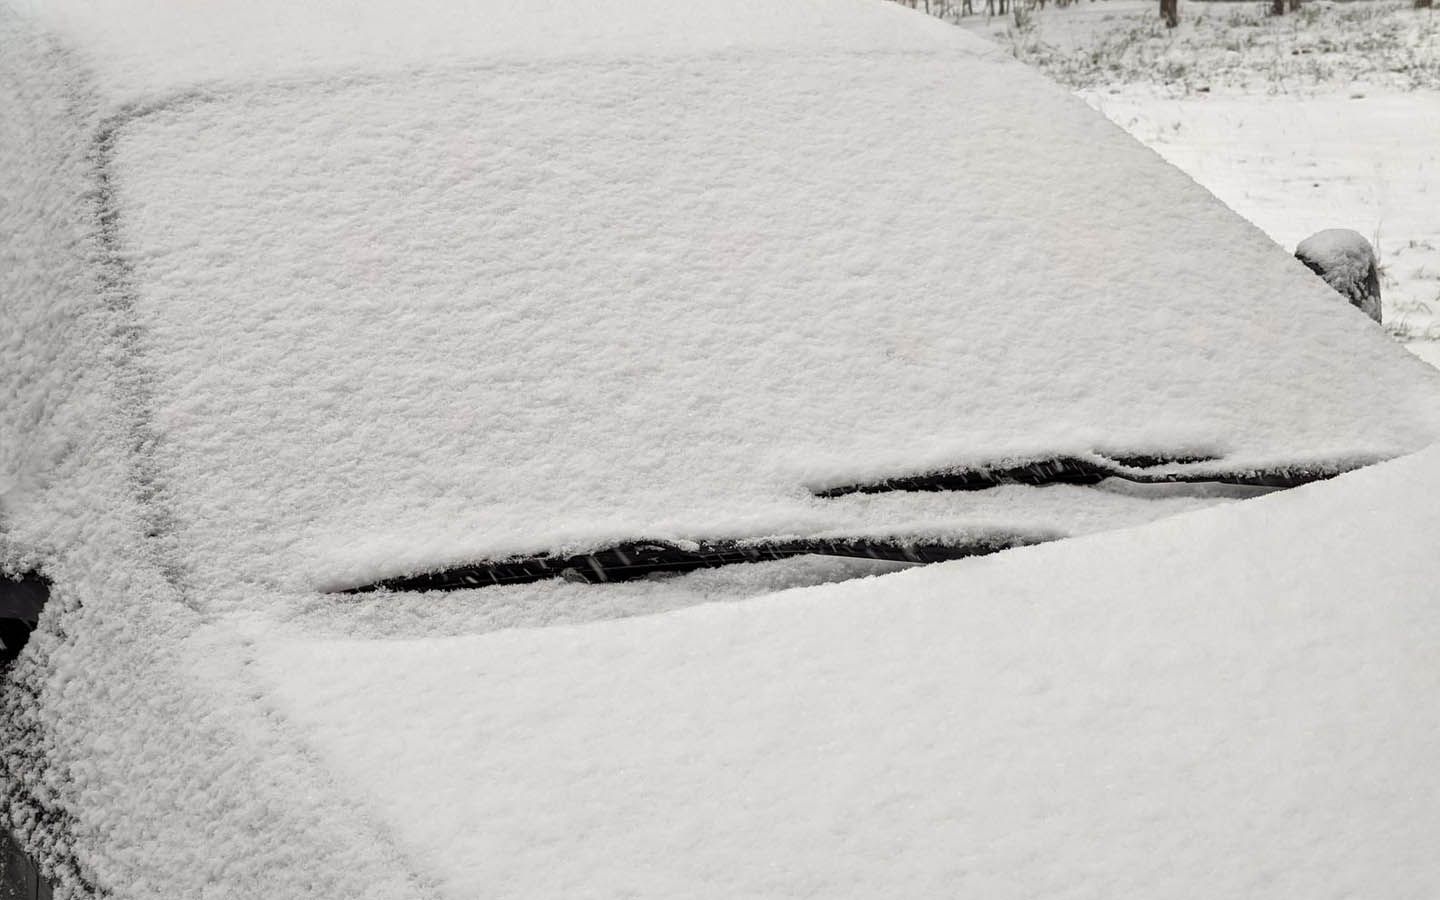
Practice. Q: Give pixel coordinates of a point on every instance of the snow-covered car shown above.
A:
(360, 357)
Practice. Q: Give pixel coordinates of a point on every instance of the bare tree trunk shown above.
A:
(1170, 12)
(1277, 7)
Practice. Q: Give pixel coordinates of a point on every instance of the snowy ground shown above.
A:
(1328, 118)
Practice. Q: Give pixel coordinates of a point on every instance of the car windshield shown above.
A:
(405, 323)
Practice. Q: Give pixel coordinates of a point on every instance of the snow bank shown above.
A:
(1227, 703)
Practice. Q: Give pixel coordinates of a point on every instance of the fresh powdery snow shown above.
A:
(1328, 118)
(300, 296)
(1287, 164)
(1235, 702)
(464, 312)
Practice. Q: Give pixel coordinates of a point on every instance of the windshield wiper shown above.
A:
(639, 559)
(642, 558)
(1078, 470)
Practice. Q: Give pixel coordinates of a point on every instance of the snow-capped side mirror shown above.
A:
(1348, 263)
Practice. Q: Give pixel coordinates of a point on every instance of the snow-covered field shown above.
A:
(1327, 118)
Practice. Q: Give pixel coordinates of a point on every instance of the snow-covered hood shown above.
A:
(1232, 702)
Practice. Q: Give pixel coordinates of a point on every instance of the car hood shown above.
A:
(1226, 699)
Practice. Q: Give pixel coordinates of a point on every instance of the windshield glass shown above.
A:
(404, 323)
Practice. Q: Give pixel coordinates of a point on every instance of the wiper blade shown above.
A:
(1084, 471)
(639, 559)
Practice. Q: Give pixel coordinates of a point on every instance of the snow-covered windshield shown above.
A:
(404, 322)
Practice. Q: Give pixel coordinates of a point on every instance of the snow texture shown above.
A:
(1229, 703)
(299, 294)
(1426, 350)
(1046, 512)
(1347, 263)
(1281, 162)
(691, 290)
(146, 49)
(1296, 123)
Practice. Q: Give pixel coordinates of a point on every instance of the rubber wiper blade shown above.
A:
(639, 559)
(1090, 470)
(1061, 470)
